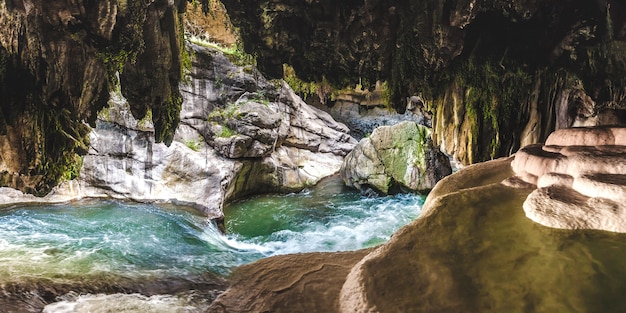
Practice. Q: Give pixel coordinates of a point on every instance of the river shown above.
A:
(110, 256)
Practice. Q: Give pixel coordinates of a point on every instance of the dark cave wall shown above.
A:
(58, 61)
(497, 74)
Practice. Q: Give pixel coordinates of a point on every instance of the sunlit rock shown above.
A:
(240, 134)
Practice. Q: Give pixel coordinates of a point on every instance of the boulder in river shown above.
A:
(394, 159)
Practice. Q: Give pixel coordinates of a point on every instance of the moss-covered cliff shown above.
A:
(497, 74)
(58, 62)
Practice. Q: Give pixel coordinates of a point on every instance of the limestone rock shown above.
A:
(250, 131)
(395, 158)
(471, 250)
(562, 207)
(491, 95)
(58, 63)
(581, 178)
(278, 144)
(290, 283)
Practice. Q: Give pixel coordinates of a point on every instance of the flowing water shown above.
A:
(108, 256)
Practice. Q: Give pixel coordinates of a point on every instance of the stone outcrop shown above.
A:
(580, 175)
(363, 110)
(394, 159)
(497, 75)
(471, 250)
(57, 65)
(289, 145)
(308, 283)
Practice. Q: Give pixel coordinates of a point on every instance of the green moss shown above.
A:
(145, 121)
(186, 67)
(166, 118)
(494, 94)
(193, 144)
(222, 114)
(302, 88)
(226, 132)
(235, 53)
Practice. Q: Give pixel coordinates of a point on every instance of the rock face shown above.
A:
(581, 178)
(497, 75)
(57, 64)
(395, 158)
(471, 250)
(277, 144)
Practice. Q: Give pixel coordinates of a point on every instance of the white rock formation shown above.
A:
(290, 145)
(581, 178)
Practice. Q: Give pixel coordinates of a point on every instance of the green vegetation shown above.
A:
(145, 121)
(221, 114)
(302, 88)
(259, 97)
(114, 63)
(186, 64)
(226, 132)
(494, 94)
(235, 53)
(194, 144)
(166, 118)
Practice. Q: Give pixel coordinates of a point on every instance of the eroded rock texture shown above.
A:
(57, 65)
(497, 74)
(581, 178)
(471, 250)
(398, 158)
(239, 134)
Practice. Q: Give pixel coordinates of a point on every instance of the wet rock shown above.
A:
(471, 232)
(490, 95)
(396, 158)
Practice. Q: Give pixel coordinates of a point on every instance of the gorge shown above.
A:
(104, 100)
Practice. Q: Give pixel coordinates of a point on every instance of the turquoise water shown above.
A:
(328, 218)
(131, 240)
(71, 242)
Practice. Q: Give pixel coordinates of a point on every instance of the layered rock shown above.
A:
(288, 145)
(580, 175)
(395, 158)
(363, 110)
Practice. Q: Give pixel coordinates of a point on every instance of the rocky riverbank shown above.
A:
(472, 250)
(239, 134)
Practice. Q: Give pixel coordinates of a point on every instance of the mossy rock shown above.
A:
(398, 158)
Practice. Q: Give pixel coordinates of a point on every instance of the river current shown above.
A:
(109, 256)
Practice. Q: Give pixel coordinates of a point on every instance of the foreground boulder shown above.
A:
(471, 250)
(580, 175)
(393, 159)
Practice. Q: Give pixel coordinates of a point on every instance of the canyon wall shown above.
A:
(239, 134)
(58, 62)
(497, 75)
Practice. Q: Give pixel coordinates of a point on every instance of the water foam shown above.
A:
(348, 224)
(131, 303)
